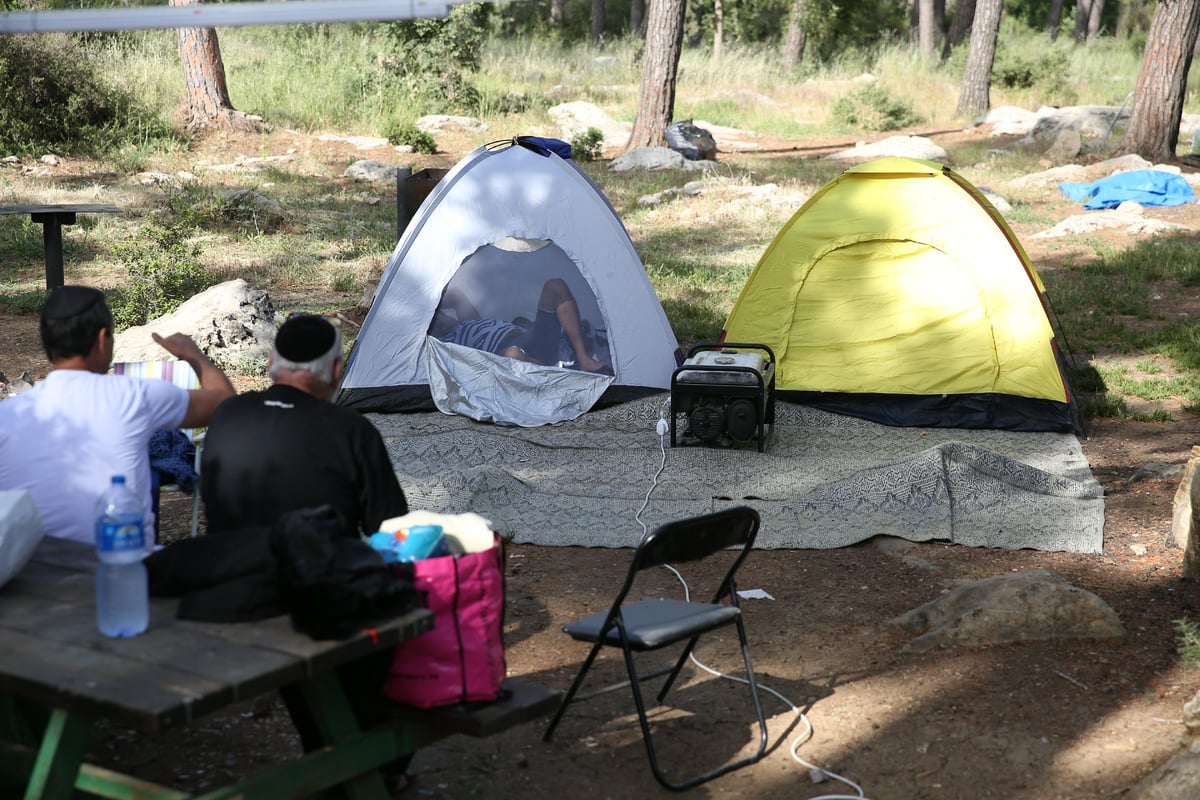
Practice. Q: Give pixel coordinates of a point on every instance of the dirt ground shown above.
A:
(1064, 720)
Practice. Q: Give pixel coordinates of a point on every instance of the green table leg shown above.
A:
(64, 743)
(336, 721)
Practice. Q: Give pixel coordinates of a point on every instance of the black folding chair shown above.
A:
(652, 624)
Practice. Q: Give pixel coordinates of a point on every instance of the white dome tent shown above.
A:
(505, 220)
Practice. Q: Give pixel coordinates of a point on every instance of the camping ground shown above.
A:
(1084, 719)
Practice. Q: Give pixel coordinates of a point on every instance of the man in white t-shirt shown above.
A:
(65, 438)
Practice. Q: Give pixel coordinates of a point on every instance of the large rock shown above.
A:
(1185, 517)
(1025, 606)
(232, 322)
(371, 171)
(576, 117)
(651, 158)
(1009, 120)
(1178, 779)
(909, 146)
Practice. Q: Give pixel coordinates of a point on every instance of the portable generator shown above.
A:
(725, 393)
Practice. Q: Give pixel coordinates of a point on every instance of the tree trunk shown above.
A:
(796, 38)
(597, 21)
(207, 104)
(1153, 130)
(698, 11)
(1054, 19)
(557, 8)
(637, 17)
(1083, 11)
(1124, 14)
(660, 63)
(977, 76)
(960, 26)
(1093, 22)
(718, 29)
(926, 29)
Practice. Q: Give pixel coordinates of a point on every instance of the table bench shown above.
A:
(58, 675)
(52, 217)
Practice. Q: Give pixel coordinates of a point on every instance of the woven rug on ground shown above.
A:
(825, 480)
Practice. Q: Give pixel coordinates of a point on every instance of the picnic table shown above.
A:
(58, 675)
(52, 217)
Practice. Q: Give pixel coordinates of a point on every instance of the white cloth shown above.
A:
(491, 388)
(65, 438)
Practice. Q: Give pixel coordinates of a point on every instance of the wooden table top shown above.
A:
(51, 652)
(63, 208)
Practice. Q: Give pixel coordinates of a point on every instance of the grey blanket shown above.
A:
(824, 481)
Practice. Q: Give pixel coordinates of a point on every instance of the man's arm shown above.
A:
(214, 386)
(456, 299)
(380, 495)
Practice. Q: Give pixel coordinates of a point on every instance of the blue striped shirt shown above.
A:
(492, 335)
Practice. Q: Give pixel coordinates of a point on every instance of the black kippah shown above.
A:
(70, 301)
(305, 338)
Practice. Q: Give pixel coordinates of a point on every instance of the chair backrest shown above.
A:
(695, 538)
(179, 373)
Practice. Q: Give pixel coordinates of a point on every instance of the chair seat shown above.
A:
(650, 624)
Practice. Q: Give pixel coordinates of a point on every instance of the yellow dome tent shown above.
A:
(899, 294)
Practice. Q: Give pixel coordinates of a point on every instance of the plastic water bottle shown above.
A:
(122, 597)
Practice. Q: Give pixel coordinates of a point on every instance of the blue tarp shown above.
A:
(1150, 187)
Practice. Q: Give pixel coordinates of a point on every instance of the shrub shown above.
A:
(56, 98)
(1189, 642)
(431, 56)
(401, 133)
(164, 270)
(873, 108)
(585, 146)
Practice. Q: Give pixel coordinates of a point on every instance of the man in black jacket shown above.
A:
(289, 448)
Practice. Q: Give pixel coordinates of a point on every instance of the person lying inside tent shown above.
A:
(457, 321)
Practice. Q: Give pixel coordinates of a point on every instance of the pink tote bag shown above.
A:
(462, 659)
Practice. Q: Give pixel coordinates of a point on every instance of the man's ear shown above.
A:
(339, 368)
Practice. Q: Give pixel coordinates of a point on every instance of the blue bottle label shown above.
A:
(119, 535)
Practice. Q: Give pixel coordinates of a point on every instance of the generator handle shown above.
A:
(702, 346)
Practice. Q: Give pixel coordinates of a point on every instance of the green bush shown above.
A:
(433, 56)
(873, 108)
(1014, 69)
(196, 205)
(1189, 642)
(164, 270)
(56, 98)
(401, 133)
(585, 146)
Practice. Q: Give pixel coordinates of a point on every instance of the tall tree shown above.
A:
(207, 104)
(926, 29)
(1093, 22)
(637, 17)
(1153, 130)
(960, 26)
(557, 12)
(660, 65)
(597, 20)
(796, 37)
(718, 29)
(1087, 19)
(1054, 19)
(974, 97)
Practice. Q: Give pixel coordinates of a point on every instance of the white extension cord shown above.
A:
(816, 774)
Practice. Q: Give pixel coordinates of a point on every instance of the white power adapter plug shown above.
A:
(662, 428)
